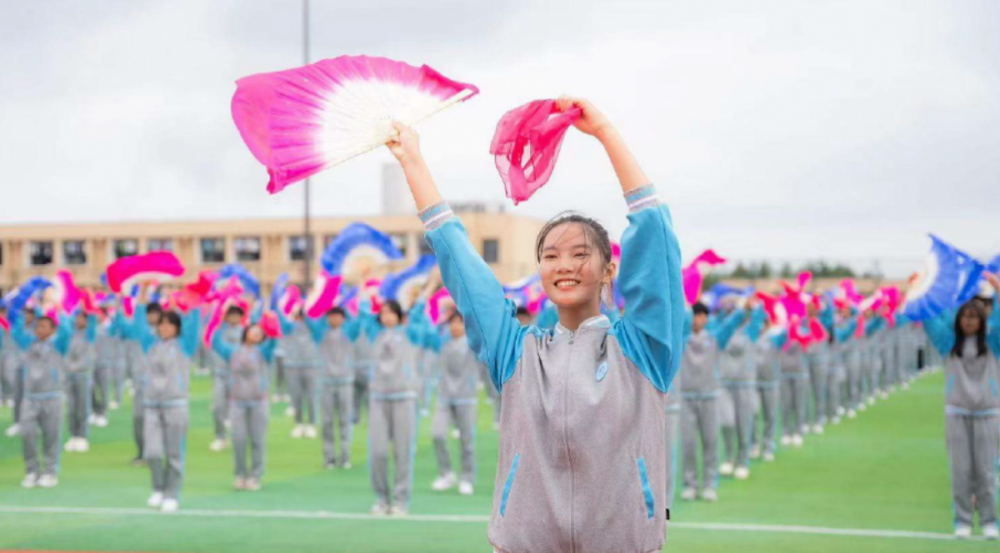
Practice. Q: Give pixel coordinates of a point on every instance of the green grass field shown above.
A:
(886, 470)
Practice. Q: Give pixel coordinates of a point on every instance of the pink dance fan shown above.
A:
(439, 304)
(323, 294)
(526, 145)
(66, 294)
(694, 274)
(158, 266)
(301, 121)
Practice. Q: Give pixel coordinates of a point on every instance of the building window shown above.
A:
(328, 239)
(213, 250)
(297, 248)
(41, 253)
(74, 253)
(160, 245)
(126, 247)
(1, 253)
(247, 248)
(491, 250)
(400, 241)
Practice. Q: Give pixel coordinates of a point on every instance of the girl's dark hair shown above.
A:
(246, 331)
(455, 315)
(977, 309)
(173, 318)
(597, 236)
(154, 307)
(337, 311)
(392, 305)
(235, 310)
(699, 308)
(522, 311)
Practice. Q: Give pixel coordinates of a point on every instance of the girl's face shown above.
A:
(456, 326)
(572, 268)
(166, 329)
(970, 322)
(255, 335)
(388, 317)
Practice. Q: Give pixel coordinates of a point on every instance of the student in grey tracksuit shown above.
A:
(249, 370)
(80, 364)
(874, 324)
(107, 358)
(794, 388)
(768, 382)
(738, 371)
(166, 385)
(13, 362)
(301, 359)
(230, 332)
(364, 363)
(672, 437)
(839, 349)
(456, 403)
(337, 387)
(700, 392)
(141, 336)
(970, 344)
(42, 372)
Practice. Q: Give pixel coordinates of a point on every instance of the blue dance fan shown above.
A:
(721, 292)
(400, 285)
(357, 248)
(18, 299)
(524, 291)
(278, 290)
(936, 287)
(249, 282)
(347, 293)
(970, 273)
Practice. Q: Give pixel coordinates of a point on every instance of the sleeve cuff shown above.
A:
(436, 215)
(641, 198)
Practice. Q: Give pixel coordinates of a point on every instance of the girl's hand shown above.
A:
(591, 120)
(993, 280)
(405, 145)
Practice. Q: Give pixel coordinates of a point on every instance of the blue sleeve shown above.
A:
(651, 332)
(267, 349)
(780, 339)
(287, 327)
(64, 334)
(941, 332)
(688, 323)
(493, 331)
(874, 325)
(417, 324)
(222, 347)
(352, 328)
(993, 327)
(141, 332)
(548, 318)
(756, 324)
(367, 321)
(826, 316)
(190, 330)
(21, 337)
(317, 328)
(845, 332)
(91, 328)
(728, 326)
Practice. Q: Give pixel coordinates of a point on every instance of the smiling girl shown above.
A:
(582, 432)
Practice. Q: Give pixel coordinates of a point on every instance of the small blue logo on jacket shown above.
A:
(602, 371)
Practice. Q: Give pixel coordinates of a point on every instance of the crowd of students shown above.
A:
(592, 412)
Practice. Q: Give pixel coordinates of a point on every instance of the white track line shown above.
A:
(477, 519)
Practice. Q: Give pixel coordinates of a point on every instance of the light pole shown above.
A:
(308, 230)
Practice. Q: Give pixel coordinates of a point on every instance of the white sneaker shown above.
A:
(298, 431)
(113, 405)
(48, 481)
(786, 440)
(155, 500)
(755, 452)
(841, 411)
(709, 495)
(346, 465)
(101, 422)
(169, 506)
(253, 485)
(871, 400)
(797, 440)
(70, 445)
(455, 434)
(13, 430)
(30, 481)
(379, 509)
(741, 473)
(862, 407)
(465, 488)
(92, 419)
(817, 429)
(445, 482)
(906, 385)
(851, 414)
(726, 469)
(835, 420)
(310, 432)
(689, 494)
(289, 411)
(768, 457)
(240, 483)
(883, 395)
(226, 424)
(217, 445)
(991, 532)
(82, 445)
(398, 511)
(963, 532)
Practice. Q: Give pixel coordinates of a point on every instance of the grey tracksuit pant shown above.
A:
(699, 420)
(769, 393)
(41, 416)
(818, 369)
(78, 389)
(101, 389)
(794, 400)
(302, 387)
(464, 417)
(972, 452)
(361, 378)
(738, 441)
(392, 422)
(249, 426)
(673, 443)
(337, 405)
(139, 420)
(221, 392)
(166, 441)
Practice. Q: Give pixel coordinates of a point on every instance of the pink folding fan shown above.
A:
(158, 266)
(301, 121)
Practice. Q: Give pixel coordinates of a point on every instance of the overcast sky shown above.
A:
(840, 129)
